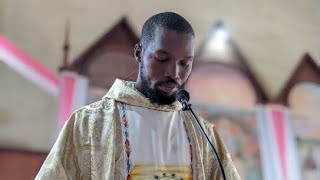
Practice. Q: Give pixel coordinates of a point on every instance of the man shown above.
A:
(138, 130)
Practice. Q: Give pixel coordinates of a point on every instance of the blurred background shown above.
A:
(256, 75)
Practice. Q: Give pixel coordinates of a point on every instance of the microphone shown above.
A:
(183, 97)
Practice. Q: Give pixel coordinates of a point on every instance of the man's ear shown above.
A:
(137, 52)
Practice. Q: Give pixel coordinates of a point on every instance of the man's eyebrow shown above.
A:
(162, 51)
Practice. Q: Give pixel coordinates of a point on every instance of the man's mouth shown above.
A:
(168, 87)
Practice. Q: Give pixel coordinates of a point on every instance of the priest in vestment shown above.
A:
(138, 130)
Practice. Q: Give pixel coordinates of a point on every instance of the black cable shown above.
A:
(213, 150)
(183, 97)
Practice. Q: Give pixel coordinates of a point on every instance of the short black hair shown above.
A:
(168, 20)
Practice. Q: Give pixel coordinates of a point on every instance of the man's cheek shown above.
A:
(153, 85)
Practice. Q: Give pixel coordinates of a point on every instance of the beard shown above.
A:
(155, 95)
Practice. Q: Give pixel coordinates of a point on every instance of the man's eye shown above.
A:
(161, 59)
(185, 63)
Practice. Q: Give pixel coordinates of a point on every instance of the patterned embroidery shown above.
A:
(167, 176)
(125, 127)
(190, 145)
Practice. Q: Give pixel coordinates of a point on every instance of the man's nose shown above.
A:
(173, 71)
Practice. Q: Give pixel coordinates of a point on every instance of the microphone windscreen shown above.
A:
(182, 94)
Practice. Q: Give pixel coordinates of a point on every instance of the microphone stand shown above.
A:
(187, 106)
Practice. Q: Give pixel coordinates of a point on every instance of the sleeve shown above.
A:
(228, 166)
(61, 162)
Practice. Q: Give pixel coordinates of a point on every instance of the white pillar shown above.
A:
(277, 144)
(73, 94)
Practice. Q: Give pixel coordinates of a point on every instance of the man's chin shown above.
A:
(163, 98)
(158, 96)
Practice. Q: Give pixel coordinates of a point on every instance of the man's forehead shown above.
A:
(168, 39)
